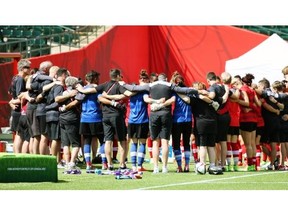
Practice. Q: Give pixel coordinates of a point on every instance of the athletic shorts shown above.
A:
(23, 129)
(248, 126)
(259, 131)
(114, 127)
(233, 130)
(160, 125)
(223, 122)
(42, 124)
(70, 135)
(207, 140)
(53, 130)
(138, 131)
(92, 129)
(15, 121)
(33, 122)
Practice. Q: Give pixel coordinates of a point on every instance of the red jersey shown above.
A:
(248, 114)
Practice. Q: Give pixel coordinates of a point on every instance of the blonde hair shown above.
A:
(71, 81)
(23, 63)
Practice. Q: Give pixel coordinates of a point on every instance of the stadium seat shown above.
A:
(27, 33)
(7, 32)
(17, 33)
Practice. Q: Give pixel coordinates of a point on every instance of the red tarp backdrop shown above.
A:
(191, 50)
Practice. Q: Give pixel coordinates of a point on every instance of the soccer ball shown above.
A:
(200, 168)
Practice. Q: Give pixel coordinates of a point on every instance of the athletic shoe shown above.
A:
(164, 170)
(88, 167)
(229, 168)
(110, 167)
(240, 163)
(156, 170)
(250, 168)
(276, 164)
(115, 161)
(123, 167)
(104, 166)
(235, 168)
(141, 169)
(186, 168)
(281, 168)
(179, 170)
(269, 167)
(215, 170)
(61, 165)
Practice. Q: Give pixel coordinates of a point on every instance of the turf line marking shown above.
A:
(210, 180)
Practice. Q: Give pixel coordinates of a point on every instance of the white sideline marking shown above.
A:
(210, 180)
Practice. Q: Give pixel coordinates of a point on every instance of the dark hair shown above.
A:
(247, 79)
(62, 71)
(143, 74)
(211, 76)
(114, 73)
(91, 76)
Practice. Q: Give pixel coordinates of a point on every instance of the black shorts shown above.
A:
(15, 121)
(207, 140)
(223, 122)
(138, 131)
(271, 131)
(92, 129)
(160, 125)
(233, 130)
(42, 124)
(114, 127)
(70, 135)
(23, 129)
(53, 130)
(259, 131)
(33, 122)
(248, 126)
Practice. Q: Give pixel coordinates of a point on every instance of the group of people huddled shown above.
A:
(53, 110)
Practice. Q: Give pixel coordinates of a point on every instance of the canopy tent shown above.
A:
(263, 61)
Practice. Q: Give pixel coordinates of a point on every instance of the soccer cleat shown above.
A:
(110, 167)
(115, 161)
(276, 164)
(104, 166)
(88, 167)
(215, 170)
(235, 168)
(164, 170)
(251, 168)
(269, 167)
(186, 168)
(141, 169)
(156, 170)
(179, 170)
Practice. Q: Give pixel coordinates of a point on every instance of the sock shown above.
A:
(150, 145)
(240, 151)
(178, 157)
(258, 156)
(235, 153)
(115, 148)
(102, 152)
(194, 151)
(249, 161)
(182, 150)
(278, 152)
(87, 154)
(229, 153)
(187, 157)
(141, 154)
(133, 153)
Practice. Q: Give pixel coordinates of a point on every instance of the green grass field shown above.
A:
(261, 180)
